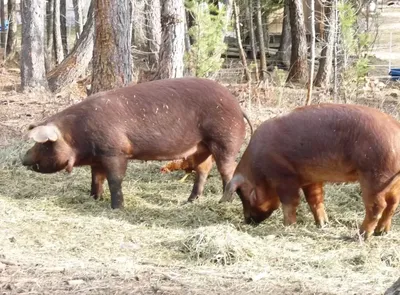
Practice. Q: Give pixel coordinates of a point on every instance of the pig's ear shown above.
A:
(231, 188)
(44, 133)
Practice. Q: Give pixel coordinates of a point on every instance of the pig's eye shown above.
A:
(48, 144)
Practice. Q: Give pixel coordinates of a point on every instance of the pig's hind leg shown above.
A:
(392, 198)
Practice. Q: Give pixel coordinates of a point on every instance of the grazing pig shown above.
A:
(317, 144)
(159, 120)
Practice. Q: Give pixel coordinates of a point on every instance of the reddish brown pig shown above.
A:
(318, 144)
(159, 120)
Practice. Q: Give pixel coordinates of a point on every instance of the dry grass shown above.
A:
(57, 240)
(54, 239)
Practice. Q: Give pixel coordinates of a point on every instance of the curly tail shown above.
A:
(248, 121)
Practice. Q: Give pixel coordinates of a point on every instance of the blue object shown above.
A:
(5, 25)
(395, 73)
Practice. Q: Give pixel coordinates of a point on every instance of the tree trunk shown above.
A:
(261, 43)
(112, 60)
(63, 22)
(298, 60)
(76, 63)
(323, 78)
(239, 43)
(139, 26)
(311, 76)
(228, 16)
(249, 16)
(153, 23)
(12, 29)
(33, 72)
(285, 46)
(3, 31)
(58, 47)
(78, 17)
(49, 54)
(173, 45)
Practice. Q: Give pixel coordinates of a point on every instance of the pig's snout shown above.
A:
(26, 159)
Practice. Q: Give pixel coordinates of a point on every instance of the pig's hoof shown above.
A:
(117, 206)
(379, 233)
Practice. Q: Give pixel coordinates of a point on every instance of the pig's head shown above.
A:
(257, 203)
(50, 153)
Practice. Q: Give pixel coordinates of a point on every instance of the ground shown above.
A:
(55, 239)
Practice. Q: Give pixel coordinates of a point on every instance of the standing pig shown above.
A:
(317, 144)
(159, 120)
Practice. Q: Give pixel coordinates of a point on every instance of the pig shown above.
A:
(159, 120)
(188, 165)
(317, 144)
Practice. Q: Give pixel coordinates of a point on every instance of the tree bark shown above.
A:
(323, 78)
(311, 75)
(228, 15)
(78, 18)
(3, 31)
(12, 29)
(239, 42)
(298, 60)
(50, 51)
(139, 26)
(153, 23)
(112, 60)
(249, 16)
(76, 63)
(63, 22)
(33, 73)
(173, 45)
(285, 45)
(58, 46)
(261, 42)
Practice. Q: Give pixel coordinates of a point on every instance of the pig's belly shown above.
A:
(327, 174)
(165, 153)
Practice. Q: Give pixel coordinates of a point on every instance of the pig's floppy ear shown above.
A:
(44, 133)
(231, 188)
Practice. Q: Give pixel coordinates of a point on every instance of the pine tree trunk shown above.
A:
(33, 72)
(78, 17)
(285, 45)
(58, 47)
(12, 29)
(323, 78)
(112, 60)
(239, 42)
(298, 60)
(49, 54)
(173, 45)
(139, 26)
(153, 20)
(3, 31)
(63, 22)
(249, 16)
(261, 43)
(76, 63)
(312, 65)
(228, 16)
